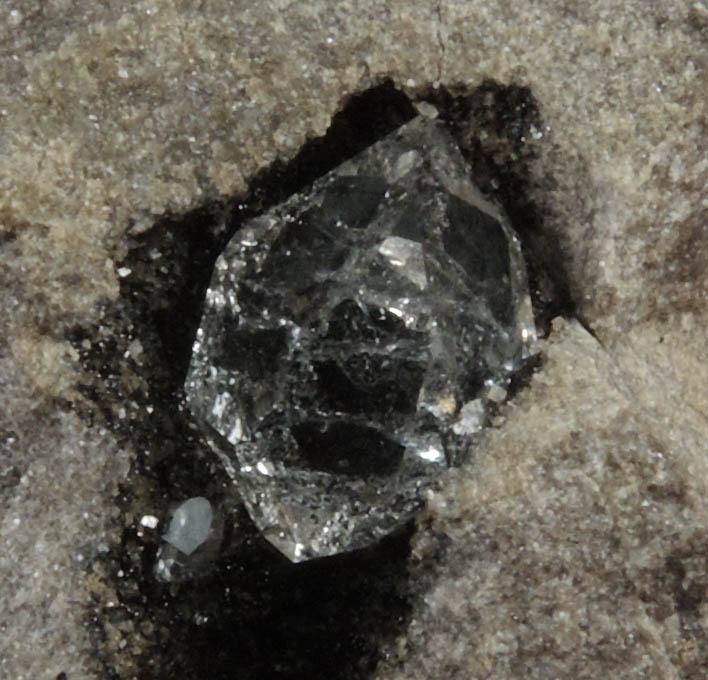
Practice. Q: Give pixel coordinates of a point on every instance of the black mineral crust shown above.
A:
(353, 338)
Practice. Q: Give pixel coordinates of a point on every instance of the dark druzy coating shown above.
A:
(352, 336)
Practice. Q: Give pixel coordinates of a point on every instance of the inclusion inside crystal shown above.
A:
(352, 337)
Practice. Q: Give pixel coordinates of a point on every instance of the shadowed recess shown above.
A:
(256, 615)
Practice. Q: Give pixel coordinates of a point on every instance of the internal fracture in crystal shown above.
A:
(353, 337)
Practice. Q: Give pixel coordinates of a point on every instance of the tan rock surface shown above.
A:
(57, 478)
(572, 552)
(111, 115)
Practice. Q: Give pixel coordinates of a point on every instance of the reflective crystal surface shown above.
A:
(352, 337)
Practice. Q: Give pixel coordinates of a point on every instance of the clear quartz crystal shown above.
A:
(351, 337)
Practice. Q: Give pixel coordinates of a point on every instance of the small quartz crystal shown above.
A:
(191, 542)
(190, 525)
(352, 337)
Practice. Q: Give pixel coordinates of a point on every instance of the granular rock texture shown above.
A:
(58, 480)
(575, 553)
(112, 115)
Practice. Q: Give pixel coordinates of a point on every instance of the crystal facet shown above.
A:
(352, 337)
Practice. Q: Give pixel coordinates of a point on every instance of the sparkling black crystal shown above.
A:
(352, 337)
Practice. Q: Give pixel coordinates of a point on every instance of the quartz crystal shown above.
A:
(192, 540)
(190, 525)
(351, 337)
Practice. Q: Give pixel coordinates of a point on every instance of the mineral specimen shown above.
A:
(190, 525)
(351, 337)
(191, 543)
